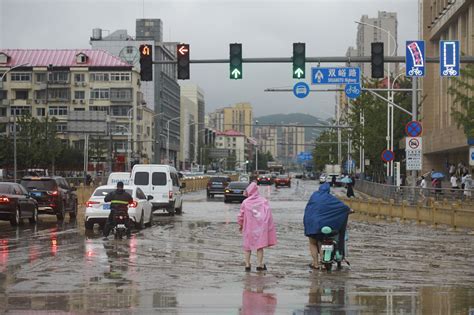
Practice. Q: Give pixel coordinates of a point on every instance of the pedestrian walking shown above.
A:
(350, 188)
(454, 183)
(424, 187)
(463, 180)
(468, 186)
(256, 225)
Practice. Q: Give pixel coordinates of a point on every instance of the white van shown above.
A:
(162, 182)
(116, 177)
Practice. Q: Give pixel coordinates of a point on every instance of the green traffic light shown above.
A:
(235, 61)
(299, 60)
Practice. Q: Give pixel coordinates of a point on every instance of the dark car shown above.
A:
(283, 180)
(264, 179)
(16, 204)
(53, 194)
(235, 191)
(216, 185)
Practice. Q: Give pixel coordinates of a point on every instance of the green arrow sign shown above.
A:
(299, 72)
(236, 74)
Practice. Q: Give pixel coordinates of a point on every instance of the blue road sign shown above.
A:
(415, 58)
(352, 90)
(388, 156)
(449, 55)
(413, 128)
(305, 156)
(301, 89)
(335, 75)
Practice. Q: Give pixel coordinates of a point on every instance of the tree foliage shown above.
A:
(463, 108)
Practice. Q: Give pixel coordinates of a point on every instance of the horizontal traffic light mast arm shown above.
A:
(362, 59)
(341, 89)
(292, 125)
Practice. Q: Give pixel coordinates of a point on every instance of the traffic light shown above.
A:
(299, 60)
(377, 60)
(146, 63)
(235, 58)
(183, 61)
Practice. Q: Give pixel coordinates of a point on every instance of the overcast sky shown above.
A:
(265, 28)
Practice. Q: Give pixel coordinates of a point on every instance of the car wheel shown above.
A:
(73, 213)
(179, 210)
(141, 225)
(171, 209)
(15, 219)
(212, 195)
(62, 212)
(89, 225)
(34, 217)
(226, 200)
(150, 220)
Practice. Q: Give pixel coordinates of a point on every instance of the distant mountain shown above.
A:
(304, 119)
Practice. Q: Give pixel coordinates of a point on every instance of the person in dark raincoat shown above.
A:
(324, 209)
(350, 188)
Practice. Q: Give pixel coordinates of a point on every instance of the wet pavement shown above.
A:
(193, 264)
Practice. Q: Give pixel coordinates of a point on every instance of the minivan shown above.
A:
(116, 177)
(162, 182)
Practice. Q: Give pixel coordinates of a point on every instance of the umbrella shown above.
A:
(437, 175)
(346, 180)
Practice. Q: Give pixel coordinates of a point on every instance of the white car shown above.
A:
(97, 211)
(323, 178)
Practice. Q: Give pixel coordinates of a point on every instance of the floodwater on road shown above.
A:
(193, 264)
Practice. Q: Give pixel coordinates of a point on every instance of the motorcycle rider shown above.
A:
(119, 200)
(324, 209)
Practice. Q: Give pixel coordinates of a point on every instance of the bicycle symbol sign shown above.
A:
(415, 58)
(352, 90)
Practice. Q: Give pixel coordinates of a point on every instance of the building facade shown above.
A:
(443, 142)
(292, 143)
(67, 84)
(162, 94)
(195, 95)
(236, 142)
(237, 117)
(267, 139)
(367, 34)
(187, 152)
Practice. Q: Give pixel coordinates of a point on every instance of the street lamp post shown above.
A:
(389, 93)
(15, 166)
(168, 138)
(129, 147)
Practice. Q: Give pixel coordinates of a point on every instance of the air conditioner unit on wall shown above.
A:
(84, 83)
(74, 101)
(82, 101)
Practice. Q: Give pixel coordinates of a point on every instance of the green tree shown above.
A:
(463, 109)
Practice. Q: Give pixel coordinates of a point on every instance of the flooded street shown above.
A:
(193, 264)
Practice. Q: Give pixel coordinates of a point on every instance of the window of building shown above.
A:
(61, 127)
(3, 111)
(58, 110)
(99, 76)
(97, 94)
(79, 109)
(119, 110)
(21, 76)
(3, 94)
(129, 50)
(58, 94)
(58, 76)
(121, 95)
(40, 94)
(99, 109)
(21, 94)
(41, 112)
(40, 77)
(20, 110)
(79, 77)
(120, 76)
(120, 146)
(80, 95)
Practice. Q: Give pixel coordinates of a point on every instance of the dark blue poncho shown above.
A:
(323, 209)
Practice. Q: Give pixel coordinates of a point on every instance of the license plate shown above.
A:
(327, 247)
(237, 191)
(217, 184)
(36, 194)
(106, 206)
(121, 226)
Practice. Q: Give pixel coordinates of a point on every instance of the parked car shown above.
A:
(16, 204)
(283, 180)
(322, 178)
(163, 183)
(97, 211)
(264, 179)
(216, 185)
(235, 191)
(53, 194)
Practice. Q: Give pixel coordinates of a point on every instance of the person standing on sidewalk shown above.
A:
(256, 225)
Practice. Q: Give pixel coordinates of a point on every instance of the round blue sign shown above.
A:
(352, 90)
(301, 90)
(388, 156)
(413, 128)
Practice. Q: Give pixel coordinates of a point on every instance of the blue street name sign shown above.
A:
(352, 90)
(449, 55)
(415, 58)
(301, 90)
(335, 75)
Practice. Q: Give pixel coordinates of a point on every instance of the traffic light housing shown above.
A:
(299, 60)
(146, 62)
(377, 60)
(235, 61)
(182, 50)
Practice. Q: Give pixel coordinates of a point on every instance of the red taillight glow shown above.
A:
(268, 178)
(53, 193)
(90, 203)
(133, 204)
(4, 199)
(170, 195)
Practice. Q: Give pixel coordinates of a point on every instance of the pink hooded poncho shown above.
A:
(255, 217)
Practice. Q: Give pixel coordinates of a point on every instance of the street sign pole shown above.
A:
(414, 114)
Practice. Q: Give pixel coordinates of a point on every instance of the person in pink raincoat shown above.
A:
(256, 224)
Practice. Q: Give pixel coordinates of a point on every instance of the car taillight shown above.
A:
(4, 199)
(258, 178)
(90, 203)
(133, 204)
(268, 178)
(170, 195)
(53, 193)
(120, 217)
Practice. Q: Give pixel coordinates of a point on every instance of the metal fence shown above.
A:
(415, 195)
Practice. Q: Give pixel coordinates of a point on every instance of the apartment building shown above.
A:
(267, 139)
(237, 117)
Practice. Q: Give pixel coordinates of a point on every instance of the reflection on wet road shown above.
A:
(192, 264)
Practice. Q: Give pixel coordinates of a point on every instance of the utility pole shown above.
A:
(14, 147)
(414, 110)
